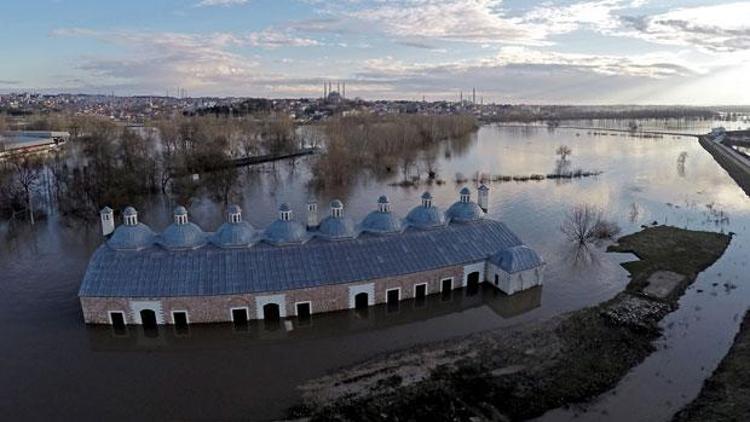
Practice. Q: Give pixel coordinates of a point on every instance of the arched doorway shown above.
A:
(271, 316)
(361, 301)
(148, 321)
(148, 318)
(472, 283)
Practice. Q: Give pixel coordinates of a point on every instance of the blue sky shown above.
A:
(554, 51)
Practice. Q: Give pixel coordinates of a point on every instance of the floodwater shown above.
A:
(54, 367)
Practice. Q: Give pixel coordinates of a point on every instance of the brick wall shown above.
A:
(202, 309)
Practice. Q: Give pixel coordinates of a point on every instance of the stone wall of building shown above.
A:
(205, 309)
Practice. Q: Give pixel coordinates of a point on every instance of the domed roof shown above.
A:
(465, 191)
(284, 231)
(383, 200)
(180, 210)
(336, 227)
(234, 235)
(129, 211)
(464, 211)
(517, 258)
(135, 237)
(337, 204)
(284, 207)
(182, 236)
(381, 222)
(426, 215)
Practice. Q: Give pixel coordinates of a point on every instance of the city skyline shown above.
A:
(595, 52)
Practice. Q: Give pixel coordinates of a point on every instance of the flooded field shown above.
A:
(55, 365)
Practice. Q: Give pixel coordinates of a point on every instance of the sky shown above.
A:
(510, 51)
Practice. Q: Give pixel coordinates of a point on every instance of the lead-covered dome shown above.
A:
(426, 215)
(234, 233)
(336, 226)
(284, 230)
(381, 220)
(182, 234)
(132, 235)
(464, 210)
(517, 258)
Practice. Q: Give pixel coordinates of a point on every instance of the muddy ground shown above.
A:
(521, 372)
(726, 395)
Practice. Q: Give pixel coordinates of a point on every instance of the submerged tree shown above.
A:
(25, 174)
(586, 223)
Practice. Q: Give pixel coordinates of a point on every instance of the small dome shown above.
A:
(234, 209)
(336, 227)
(234, 235)
(284, 207)
(465, 191)
(182, 236)
(383, 200)
(128, 211)
(180, 210)
(132, 237)
(517, 258)
(381, 222)
(284, 231)
(426, 215)
(464, 211)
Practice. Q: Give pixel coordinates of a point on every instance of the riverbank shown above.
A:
(726, 395)
(730, 160)
(522, 372)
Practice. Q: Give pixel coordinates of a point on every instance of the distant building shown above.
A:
(185, 275)
(14, 142)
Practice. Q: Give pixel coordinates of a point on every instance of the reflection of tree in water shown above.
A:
(459, 146)
(681, 163)
(582, 255)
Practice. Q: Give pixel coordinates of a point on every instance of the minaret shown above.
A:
(108, 222)
(312, 214)
(484, 197)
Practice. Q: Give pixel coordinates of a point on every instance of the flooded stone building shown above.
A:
(237, 273)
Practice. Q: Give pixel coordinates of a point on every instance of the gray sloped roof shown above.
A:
(517, 258)
(158, 272)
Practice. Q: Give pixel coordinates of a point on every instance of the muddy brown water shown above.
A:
(54, 367)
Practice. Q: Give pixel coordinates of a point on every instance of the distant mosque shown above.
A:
(289, 270)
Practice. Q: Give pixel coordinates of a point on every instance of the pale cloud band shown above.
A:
(460, 43)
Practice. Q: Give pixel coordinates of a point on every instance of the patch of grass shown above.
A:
(685, 252)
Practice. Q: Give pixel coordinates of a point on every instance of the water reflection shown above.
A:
(327, 325)
(250, 373)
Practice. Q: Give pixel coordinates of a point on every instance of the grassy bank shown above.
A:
(521, 373)
(726, 395)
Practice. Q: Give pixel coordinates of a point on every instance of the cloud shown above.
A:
(720, 28)
(480, 21)
(225, 3)
(6, 82)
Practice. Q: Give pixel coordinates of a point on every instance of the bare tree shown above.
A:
(563, 151)
(585, 224)
(26, 173)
